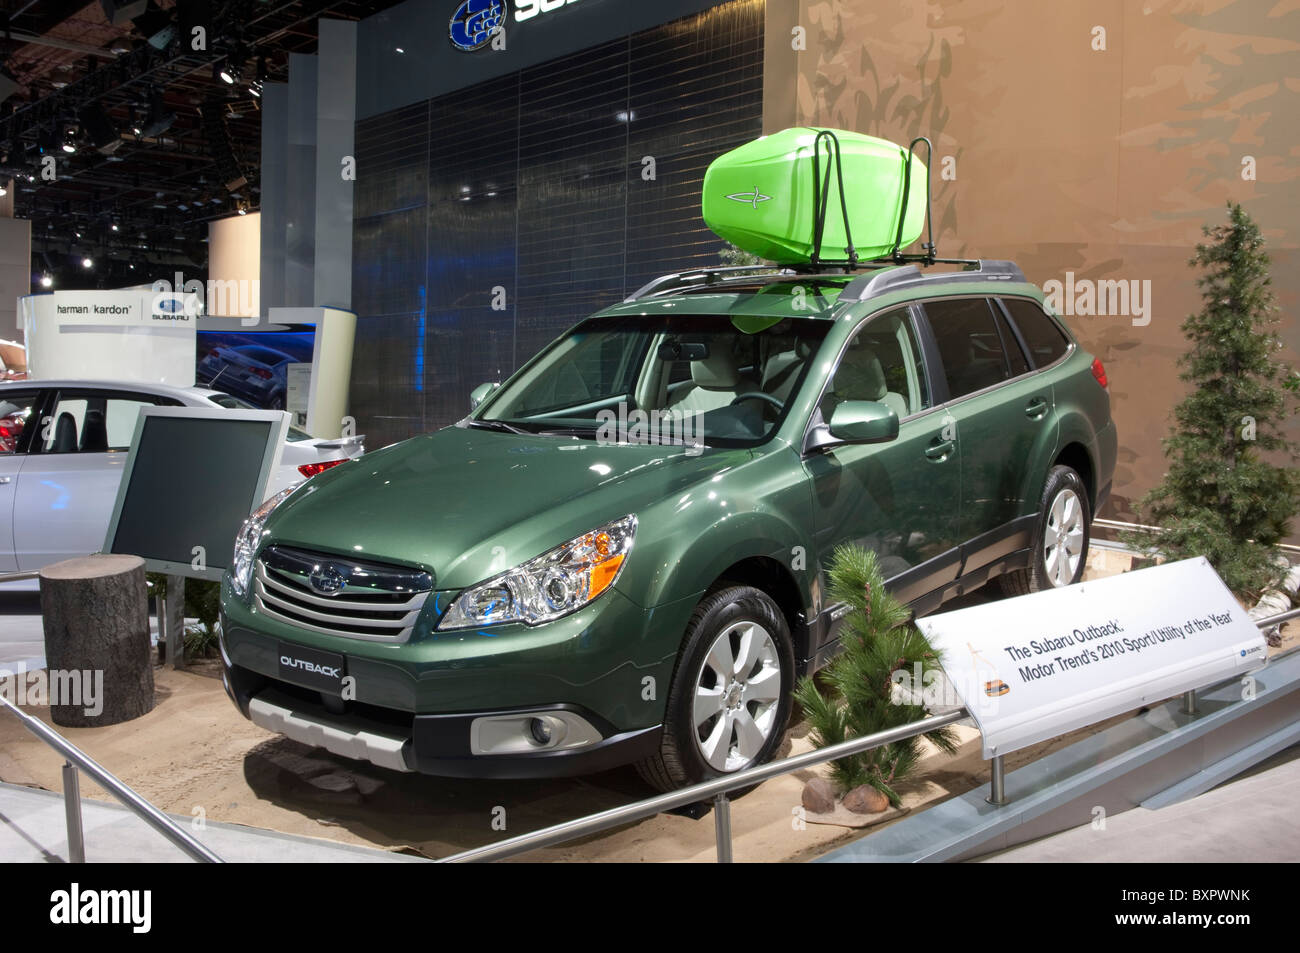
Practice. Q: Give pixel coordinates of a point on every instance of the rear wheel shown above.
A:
(730, 696)
(1060, 545)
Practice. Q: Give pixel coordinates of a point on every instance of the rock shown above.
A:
(864, 799)
(818, 796)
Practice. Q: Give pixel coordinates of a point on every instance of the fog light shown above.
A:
(540, 731)
(529, 732)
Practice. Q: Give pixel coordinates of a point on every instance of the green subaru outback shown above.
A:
(620, 555)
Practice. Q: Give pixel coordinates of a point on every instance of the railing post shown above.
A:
(1189, 702)
(72, 809)
(998, 788)
(722, 826)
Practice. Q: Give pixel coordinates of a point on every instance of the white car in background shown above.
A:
(58, 483)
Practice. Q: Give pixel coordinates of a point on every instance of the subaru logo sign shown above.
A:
(169, 303)
(326, 580)
(476, 21)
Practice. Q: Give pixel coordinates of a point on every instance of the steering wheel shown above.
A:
(759, 395)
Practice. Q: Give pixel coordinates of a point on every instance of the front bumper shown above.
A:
(428, 744)
(413, 704)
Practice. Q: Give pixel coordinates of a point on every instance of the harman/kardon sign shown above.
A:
(1038, 666)
(475, 22)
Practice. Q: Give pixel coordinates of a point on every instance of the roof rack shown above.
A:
(724, 275)
(889, 279)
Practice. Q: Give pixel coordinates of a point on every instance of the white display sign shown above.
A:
(133, 334)
(1038, 666)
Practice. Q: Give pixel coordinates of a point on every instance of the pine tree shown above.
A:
(730, 255)
(877, 640)
(1221, 497)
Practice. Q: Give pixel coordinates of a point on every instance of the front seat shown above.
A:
(862, 378)
(716, 382)
(65, 434)
(94, 433)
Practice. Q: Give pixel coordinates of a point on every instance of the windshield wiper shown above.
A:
(500, 426)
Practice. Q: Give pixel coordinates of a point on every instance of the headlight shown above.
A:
(554, 584)
(250, 534)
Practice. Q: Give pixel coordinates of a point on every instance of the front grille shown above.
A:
(376, 602)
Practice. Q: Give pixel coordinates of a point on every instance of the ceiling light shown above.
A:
(46, 281)
(87, 263)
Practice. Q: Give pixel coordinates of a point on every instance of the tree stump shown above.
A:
(96, 618)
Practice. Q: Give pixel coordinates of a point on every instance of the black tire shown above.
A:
(680, 761)
(1039, 576)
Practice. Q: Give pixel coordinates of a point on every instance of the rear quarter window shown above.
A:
(1047, 343)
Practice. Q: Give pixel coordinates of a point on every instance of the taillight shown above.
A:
(311, 469)
(262, 372)
(1099, 372)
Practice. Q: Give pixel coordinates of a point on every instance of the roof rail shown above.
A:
(700, 276)
(889, 279)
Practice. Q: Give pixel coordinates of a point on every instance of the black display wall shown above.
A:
(490, 219)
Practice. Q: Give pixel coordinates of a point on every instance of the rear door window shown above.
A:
(970, 346)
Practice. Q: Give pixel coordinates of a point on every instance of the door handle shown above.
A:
(1036, 409)
(940, 451)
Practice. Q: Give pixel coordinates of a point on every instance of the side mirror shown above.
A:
(864, 421)
(480, 393)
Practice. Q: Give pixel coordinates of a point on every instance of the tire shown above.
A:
(747, 617)
(1061, 537)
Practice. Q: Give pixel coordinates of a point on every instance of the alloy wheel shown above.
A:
(1063, 538)
(737, 695)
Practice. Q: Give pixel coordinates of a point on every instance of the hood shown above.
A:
(466, 503)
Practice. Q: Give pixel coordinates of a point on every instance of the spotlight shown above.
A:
(4, 189)
(47, 281)
(87, 263)
(69, 139)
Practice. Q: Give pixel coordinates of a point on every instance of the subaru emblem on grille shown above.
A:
(326, 580)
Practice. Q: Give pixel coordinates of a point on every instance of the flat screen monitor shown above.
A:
(192, 477)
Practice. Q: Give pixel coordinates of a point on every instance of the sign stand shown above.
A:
(176, 621)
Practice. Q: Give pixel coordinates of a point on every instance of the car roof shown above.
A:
(765, 291)
(147, 387)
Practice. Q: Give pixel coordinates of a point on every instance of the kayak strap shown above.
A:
(822, 194)
(928, 255)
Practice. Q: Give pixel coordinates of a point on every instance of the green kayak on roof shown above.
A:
(761, 196)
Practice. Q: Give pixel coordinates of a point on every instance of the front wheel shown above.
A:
(730, 695)
(1061, 536)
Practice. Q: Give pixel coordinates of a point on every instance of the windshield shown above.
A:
(678, 379)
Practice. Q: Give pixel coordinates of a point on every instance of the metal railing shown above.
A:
(75, 758)
(716, 789)
(1122, 526)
